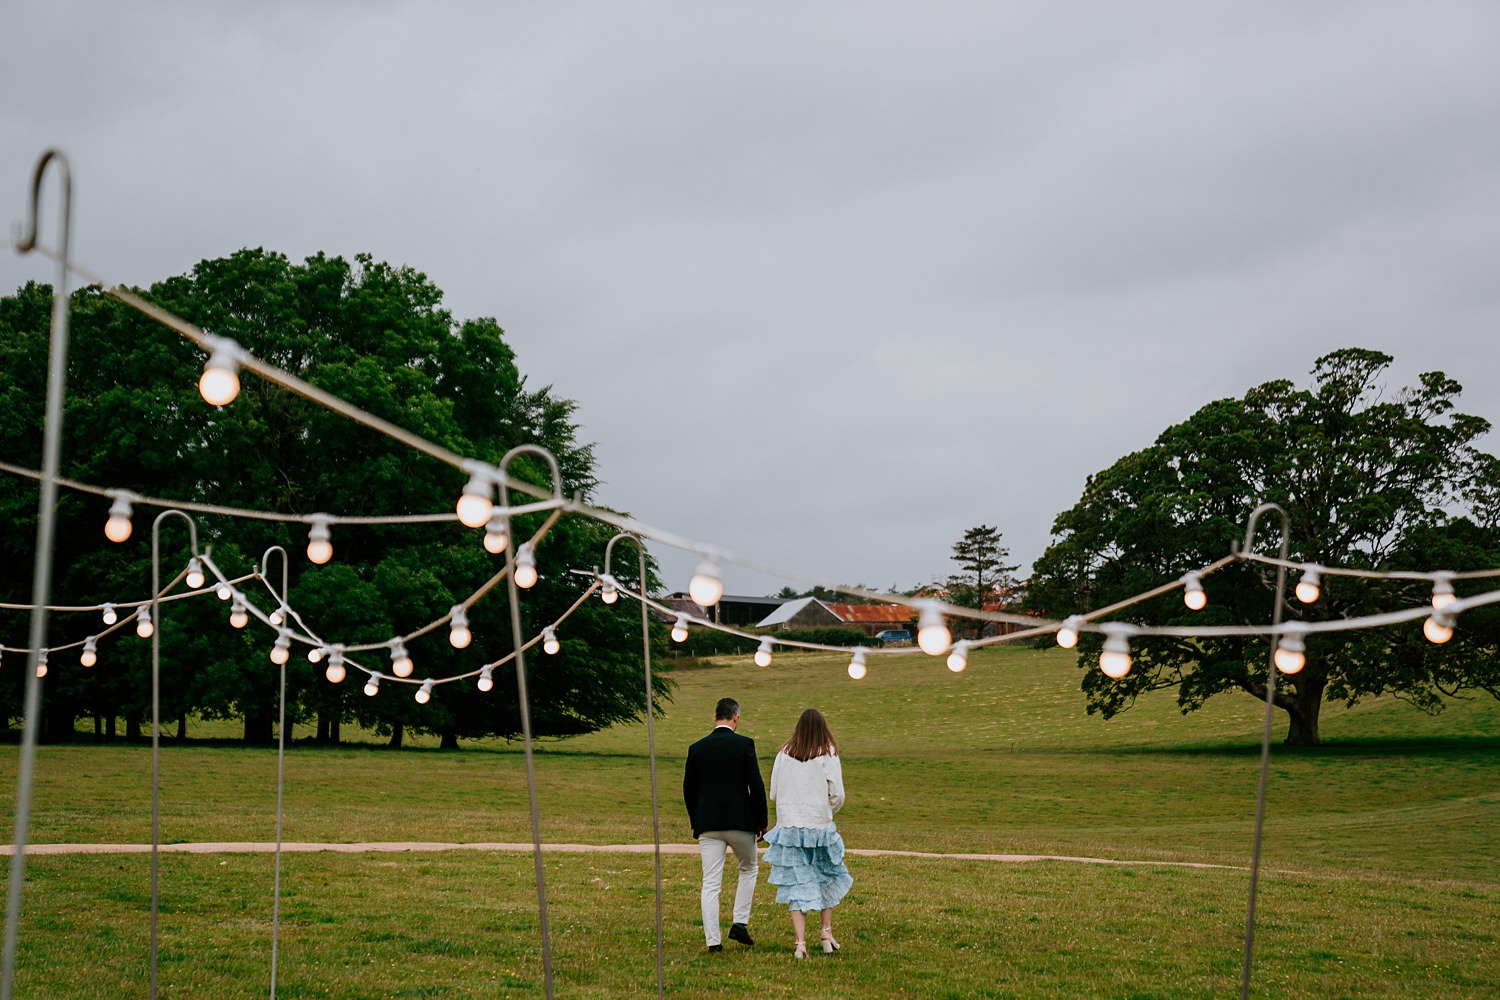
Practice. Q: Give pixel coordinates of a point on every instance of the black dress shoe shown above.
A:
(740, 933)
(716, 947)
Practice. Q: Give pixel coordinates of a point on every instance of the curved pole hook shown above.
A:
(1250, 526)
(610, 548)
(533, 449)
(265, 560)
(26, 239)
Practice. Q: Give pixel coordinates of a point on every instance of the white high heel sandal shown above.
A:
(829, 944)
(801, 951)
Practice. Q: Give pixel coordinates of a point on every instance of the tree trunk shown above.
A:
(322, 727)
(450, 739)
(396, 732)
(258, 726)
(1302, 697)
(182, 726)
(333, 729)
(109, 726)
(132, 727)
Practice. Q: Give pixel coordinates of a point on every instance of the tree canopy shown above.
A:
(1369, 479)
(376, 335)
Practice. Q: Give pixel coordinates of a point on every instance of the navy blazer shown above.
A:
(722, 786)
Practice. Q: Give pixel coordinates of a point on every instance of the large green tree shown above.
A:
(373, 334)
(1370, 479)
(984, 575)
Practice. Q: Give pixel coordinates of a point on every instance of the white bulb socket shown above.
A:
(497, 534)
(400, 660)
(959, 658)
(90, 654)
(372, 685)
(143, 626)
(424, 693)
(1309, 588)
(680, 629)
(110, 615)
(281, 649)
(1442, 593)
(319, 541)
(1291, 650)
(220, 382)
(525, 571)
(118, 527)
(706, 588)
(459, 635)
(608, 593)
(550, 645)
(932, 632)
(1193, 594)
(474, 505)
(763, 653)
(194, 578)
(1114, 660)
(1067, 636)
(857, 668)
(486, 680)
(1438, 629)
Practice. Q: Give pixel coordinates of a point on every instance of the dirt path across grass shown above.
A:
(396, 847)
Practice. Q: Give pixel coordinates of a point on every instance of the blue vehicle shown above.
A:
(894, 635)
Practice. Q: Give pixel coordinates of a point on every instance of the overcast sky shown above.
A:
(830, 282)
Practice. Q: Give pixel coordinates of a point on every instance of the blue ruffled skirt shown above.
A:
(807, 866)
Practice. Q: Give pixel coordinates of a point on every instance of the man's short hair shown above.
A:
(726, 709)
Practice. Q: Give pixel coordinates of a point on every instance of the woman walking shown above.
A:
(806, 852)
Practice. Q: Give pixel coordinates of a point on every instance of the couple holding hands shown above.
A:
(726, 802)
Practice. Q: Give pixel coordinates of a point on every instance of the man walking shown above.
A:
(726, 803)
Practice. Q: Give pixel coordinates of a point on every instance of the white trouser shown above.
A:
(711, 845)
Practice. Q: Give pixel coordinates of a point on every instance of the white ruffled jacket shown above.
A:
(806, 792)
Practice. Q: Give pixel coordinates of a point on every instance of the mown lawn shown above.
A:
(1379, 879)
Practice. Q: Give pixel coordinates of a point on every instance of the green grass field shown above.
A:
(1379, 874)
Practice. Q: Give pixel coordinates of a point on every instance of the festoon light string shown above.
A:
(219, 386)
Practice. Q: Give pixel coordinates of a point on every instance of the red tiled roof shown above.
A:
(873, 612)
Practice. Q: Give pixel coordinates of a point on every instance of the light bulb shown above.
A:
(143, 626)
(857, 668)
(335, 671)
(706, 588)
(237, 614)
(1192, 592)
(194, 578)
(117, 528)
(1307, 587)
(41, 664)
(400, 662)
(550, 645)
(474, 505)
(1442, 593)
(680, 629)
(319, 540)
(525, 572)
(608, 594)
(1115, 659)
(316, 654)
(372, 685)
(496, 534)
(281, 649)
(763, 654)
(932, 633)
(1067, 636)
(224, 591)
(486, 681)
(1291, 651)
(424, 692)
(90, 654)
(220, 381)
(110, 615)
(1436, 630)
(280, 614)
(959, 658)
(459, 635)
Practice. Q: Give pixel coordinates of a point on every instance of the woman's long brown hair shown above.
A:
(811, 737)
